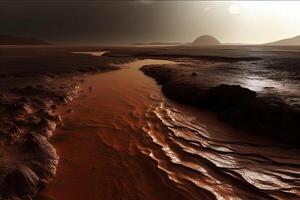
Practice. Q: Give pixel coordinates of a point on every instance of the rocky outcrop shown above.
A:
(28, 160)
(234, 104)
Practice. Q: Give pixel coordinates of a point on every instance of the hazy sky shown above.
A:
(105, 22)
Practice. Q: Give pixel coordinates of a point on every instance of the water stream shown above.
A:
(124, 140)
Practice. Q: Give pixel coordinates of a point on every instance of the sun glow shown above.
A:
(234, 10)
(261, 21)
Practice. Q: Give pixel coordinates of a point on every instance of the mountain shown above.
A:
(293, 41)
(14, 40)
(205, 40)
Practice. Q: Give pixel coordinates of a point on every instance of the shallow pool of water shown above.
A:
(93, 53)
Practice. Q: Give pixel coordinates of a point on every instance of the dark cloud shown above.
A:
(85, 22)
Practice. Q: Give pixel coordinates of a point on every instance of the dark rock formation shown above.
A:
(21, 183)
(234, 104)
(26, 124)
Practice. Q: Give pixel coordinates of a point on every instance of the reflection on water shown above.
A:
(124, 140)
(259, 84)
(93, 53)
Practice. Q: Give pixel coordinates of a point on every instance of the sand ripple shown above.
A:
(148, 147)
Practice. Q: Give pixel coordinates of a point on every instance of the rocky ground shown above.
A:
(34, 81)
(256, 89)
(28, 160)
(257, 95)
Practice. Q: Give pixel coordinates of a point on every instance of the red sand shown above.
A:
(124, 140)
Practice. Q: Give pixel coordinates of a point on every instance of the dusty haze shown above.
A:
(123, 22)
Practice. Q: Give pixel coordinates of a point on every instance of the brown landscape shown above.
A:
(116, 132)
(108, 114)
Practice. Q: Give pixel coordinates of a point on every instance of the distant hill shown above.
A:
(14, 40)
(293, 41)
(205, 40)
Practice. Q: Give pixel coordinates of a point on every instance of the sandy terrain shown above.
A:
(135, 144)
(34, 80)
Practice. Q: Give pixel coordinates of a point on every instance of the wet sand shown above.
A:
(124, 140)
(99, 143)
(33, 82)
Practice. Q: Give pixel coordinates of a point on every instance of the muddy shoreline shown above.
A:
(28, 119)
(136, 137)
(28, 111)
(254, 112)
(43, 78)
